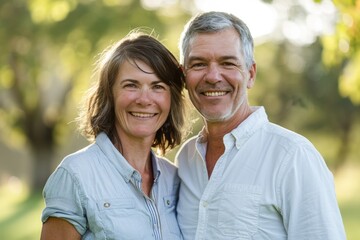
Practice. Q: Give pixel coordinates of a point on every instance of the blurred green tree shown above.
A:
(340, 70)
(301, 93)
(301, 90)
(47, 56)
(343, 48)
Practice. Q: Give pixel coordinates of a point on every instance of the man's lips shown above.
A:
(214, 93)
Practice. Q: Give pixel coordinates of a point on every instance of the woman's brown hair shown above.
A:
(98, 114)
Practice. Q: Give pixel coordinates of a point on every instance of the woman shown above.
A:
(117, 188)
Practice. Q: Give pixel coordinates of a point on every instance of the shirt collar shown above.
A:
(249, 126)
(119, 162)
(244, 130)
(156, 166)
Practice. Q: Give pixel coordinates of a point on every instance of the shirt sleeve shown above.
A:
(62, 199)
(308, 200)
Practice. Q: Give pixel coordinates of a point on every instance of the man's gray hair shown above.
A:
(213, 22)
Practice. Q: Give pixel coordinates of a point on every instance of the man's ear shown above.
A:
(252, 76)
(182, 69)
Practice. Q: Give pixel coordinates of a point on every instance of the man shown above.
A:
(243, 177)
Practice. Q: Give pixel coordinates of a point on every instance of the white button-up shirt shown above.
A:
(270, 183)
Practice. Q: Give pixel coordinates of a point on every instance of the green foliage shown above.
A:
(343, 48)
(48, 53)
(300, 93)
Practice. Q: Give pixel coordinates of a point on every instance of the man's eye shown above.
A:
(230, 65)
(197, 66)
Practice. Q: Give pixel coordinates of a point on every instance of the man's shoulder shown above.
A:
(287, 139)
(285, 133)
(189, 144)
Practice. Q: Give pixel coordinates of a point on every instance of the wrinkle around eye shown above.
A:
(159, 89)
(233, 67)
(196, 67)
(130, 86)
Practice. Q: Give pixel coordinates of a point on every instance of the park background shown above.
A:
(308, 58)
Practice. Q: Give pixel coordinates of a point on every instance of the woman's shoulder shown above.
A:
(167, 167)
(83, 157)
(166, 163)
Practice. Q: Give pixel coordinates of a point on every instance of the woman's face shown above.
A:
(141, 100)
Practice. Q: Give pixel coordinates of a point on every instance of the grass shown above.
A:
(20, 211)
(348, 193)
(351, 213)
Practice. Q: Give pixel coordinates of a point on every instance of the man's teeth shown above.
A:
(214, 94)
(143, 115)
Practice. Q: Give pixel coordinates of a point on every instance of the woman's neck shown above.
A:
(138, 154)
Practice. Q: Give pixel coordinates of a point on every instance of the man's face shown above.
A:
(216, 75)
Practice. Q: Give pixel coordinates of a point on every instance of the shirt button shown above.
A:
(205, 204)
(168, 202)
(106, 205)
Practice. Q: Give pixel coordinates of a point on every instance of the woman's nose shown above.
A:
(144, 97)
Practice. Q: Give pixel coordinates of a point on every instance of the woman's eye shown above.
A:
(159, 87)
(130, 85)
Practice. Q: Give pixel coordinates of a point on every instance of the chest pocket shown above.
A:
(115, 203)
(119, 218)
(170, 216)
(239, 211)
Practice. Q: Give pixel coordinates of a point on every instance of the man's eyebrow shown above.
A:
(196, 58)
(221, 58)
(228, 57)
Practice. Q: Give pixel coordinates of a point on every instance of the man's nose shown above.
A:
(213, 73)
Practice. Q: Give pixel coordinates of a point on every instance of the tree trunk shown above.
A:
(41, 168)
(343, 150)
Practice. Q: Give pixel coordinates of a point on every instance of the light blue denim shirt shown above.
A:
(98, 192)
(270, 183)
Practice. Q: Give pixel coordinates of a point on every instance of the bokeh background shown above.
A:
(308, 61)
